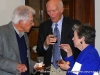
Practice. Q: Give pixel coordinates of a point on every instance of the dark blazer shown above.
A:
(66, 38)
(9, 51)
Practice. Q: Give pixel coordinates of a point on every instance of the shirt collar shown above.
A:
(59, 23)
(20, 34)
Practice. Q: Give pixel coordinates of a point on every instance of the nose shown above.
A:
(32, 24)
(73, 38)
(50, 13)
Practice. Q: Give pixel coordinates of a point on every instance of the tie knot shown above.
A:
(56, 25)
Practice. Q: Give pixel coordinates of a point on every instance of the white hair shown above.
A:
(60, 4)
(22, 13)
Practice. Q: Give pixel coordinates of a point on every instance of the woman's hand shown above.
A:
(63, 65)
(67, 49)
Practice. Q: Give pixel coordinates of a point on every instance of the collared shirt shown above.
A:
(60, 29)
(20, 34)
(59, 25)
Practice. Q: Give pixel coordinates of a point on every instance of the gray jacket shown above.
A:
(9, 51)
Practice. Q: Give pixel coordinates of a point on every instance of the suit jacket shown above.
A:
(9, 51)
(87, 63)
(66, 38)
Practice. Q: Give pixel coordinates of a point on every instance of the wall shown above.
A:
(97, 24)
(38, 5)
(6, 9)
(8, 6)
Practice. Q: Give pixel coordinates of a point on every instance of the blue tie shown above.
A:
(56, 48)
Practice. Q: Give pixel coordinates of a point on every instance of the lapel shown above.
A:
(49, 27)
(27, 44)
(84, 53)
(63, 34)
(26, 40)
(12, 37)
(65, 26)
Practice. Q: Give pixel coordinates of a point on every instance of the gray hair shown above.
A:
(76, 26)
(85, 30)
(22, 13)
(60, 4)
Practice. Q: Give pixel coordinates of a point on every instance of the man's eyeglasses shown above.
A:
(31, 21)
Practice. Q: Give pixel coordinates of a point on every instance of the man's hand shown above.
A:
(21, 67)
(50, 40)
(39, 66)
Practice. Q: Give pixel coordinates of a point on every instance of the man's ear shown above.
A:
(21, 21)
(62, 10)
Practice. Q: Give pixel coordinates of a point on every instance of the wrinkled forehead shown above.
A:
(51, 3)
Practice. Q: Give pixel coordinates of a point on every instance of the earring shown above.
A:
(81, 42)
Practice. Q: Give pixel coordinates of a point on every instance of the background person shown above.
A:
(46, 43)
(88, 61)
(14, 46)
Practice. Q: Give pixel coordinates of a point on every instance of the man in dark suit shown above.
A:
(45, 42)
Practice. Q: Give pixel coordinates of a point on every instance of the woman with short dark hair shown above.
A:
(88, 61)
